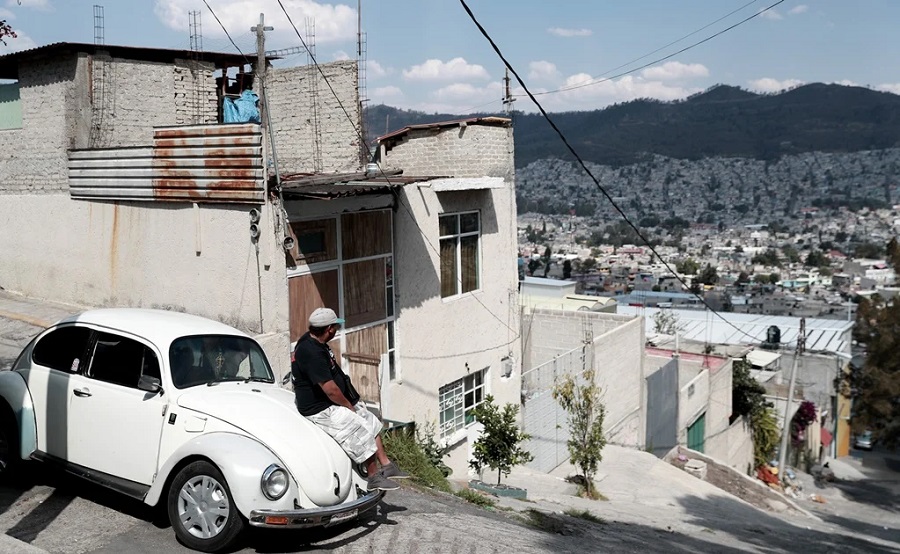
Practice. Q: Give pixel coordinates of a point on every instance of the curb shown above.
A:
(10, 545)
(37, 322)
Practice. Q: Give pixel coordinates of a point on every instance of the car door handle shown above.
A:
(82, 392)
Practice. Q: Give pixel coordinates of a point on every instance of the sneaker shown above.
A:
(382, 483)
(393, 472)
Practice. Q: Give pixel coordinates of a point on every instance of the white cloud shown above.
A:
(333, 22)
(457, 69)
(21, 42)
(671, 71)
(542, 71)
(768, 84)
(846, 83)
(568, 33)
(797, 10)
(6, 14)
(384, 95)
(35, 4)
(340, 56)
(889, 87)
(375, 70)
(771, 14)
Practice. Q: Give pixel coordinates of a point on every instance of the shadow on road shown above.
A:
(303, 540)
(870, 492)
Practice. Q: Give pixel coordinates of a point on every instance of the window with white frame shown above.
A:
(460, 235)
(458, 399)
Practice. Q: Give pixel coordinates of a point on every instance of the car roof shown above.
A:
(158, 326)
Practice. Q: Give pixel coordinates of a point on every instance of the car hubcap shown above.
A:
(203, 507)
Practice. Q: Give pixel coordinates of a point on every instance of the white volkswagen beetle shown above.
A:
(174, 408)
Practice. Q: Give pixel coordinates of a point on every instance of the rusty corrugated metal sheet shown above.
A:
(205, 163)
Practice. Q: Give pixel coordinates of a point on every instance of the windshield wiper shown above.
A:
(259, 379)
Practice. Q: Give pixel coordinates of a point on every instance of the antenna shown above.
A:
(313, 80)
(196, 33)
(99, 30)
(361, 56)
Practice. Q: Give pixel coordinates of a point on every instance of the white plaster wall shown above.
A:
(106, 254)
(691, 405)
(441, 340)
(733, 446)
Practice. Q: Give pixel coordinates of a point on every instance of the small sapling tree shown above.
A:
(498, 446)
(586, 442)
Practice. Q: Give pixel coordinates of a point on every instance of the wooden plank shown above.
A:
(364, 291)
(366, 234)
(305, 294)
(314, 241)
(364, 350)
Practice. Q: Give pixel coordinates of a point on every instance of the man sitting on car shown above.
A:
(322, 391)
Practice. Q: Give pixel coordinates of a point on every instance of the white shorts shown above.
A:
(354, 431)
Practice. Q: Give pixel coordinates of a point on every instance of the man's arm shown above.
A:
(333, 392)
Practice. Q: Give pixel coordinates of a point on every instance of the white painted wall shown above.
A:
(106, 254)
(441, 340)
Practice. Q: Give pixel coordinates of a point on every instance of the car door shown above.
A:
(56, 360)
(118, 425)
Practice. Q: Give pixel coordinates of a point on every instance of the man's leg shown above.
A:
(380, 453)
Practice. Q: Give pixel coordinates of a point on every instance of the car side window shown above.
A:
(62, 349)
(121, 360)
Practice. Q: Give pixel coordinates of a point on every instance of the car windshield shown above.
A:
(211, 359)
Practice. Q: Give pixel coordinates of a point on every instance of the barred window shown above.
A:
(458, 399)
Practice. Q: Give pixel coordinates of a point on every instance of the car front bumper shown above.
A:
(315, 517)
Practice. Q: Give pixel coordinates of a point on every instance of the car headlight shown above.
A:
(274, 482)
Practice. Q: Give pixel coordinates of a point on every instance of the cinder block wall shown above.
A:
(471, 151)
(312, 132)
(33, 159)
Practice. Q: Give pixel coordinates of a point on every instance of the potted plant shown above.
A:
(498, 447)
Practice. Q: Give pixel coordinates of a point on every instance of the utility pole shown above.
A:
(260, 79)
(785, 427)
(507, 94)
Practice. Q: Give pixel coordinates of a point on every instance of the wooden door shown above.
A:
(364, 349)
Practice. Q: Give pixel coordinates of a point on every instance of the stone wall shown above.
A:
(312, 131)
(471, 151)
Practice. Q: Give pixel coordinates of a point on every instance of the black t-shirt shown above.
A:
(314, 364)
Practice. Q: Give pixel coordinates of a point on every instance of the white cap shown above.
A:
(323, 317)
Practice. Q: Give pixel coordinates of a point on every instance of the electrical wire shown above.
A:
(584, 165)
(654, 62)
(219, 21)
(387, 179)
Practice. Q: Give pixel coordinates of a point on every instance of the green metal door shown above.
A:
(696, 434)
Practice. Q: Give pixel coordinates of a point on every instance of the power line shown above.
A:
(656, 61)
(219, 21)
(366, 145)
(584, 165)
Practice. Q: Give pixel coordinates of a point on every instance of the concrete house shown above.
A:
(122, 186)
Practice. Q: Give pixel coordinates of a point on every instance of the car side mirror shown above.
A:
(149, 384)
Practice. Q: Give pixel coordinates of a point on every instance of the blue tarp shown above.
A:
(241, 110)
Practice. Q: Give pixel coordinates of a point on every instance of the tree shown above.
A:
(586, 413)
(743, 278)
(567, 269)
(709, 275)
(666, 322)
(587, 265)
(791, 254)
(874, 385)
(868, 250)
(748, 400)
(816, 259)
(546, 259)
(533, 265)
(687, 267)
(498, 446)
(6, 31)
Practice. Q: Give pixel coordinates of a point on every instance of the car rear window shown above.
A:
(62, 349)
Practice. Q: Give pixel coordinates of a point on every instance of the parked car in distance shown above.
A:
(177, 410)
(864, 441)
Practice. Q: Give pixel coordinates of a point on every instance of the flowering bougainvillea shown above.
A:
(805, 415)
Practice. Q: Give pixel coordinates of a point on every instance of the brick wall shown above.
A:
(312, 132)
(471, 151)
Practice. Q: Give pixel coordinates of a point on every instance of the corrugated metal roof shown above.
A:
(822, 335)
(197, 163)
(325, 186)
(493, 121)
(9, 64)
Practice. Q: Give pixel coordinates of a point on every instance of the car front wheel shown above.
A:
(201, 509)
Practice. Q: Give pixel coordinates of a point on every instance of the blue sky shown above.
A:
(427, 55)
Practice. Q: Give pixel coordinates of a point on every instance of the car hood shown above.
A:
(318, 464)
